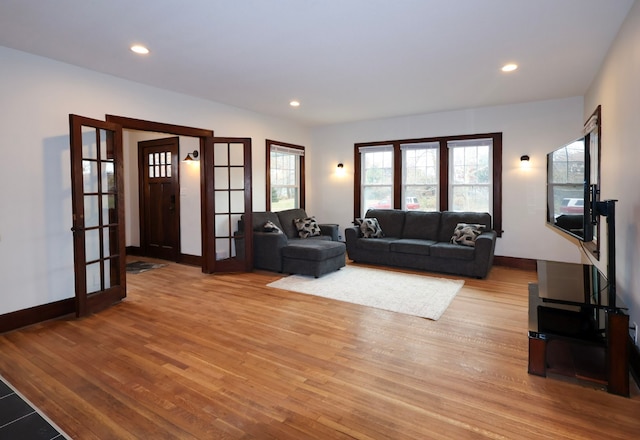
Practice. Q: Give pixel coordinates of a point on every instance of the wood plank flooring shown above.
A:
(194, 356)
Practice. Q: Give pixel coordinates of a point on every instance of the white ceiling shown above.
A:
(345, 60)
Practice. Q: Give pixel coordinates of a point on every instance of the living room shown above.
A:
(38, 94)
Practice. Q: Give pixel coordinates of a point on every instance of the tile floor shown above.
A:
(20, 420)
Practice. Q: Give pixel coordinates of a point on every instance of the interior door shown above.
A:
(227, 198)
(97, 190)
(159, 198)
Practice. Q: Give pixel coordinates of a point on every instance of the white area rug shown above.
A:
(416, 295)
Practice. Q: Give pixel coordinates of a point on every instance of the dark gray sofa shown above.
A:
(422, 240)
(286, 252)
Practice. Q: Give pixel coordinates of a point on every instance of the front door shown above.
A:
(159, 198)
(97, 191)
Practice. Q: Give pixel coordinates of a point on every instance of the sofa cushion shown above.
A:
(466, 234)
(449, 220)
(287, 218)
(452, 251)
(374, 244)
(307, 227)
(423, 225)
(313, 250)
(370, 228)
(314, 238)
(391, 221)
(411, 246)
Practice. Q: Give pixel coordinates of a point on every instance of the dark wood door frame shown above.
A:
(178, 130)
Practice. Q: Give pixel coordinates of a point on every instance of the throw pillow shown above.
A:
(270, 227)
(466, 234)
(307, 227)
(370, 227)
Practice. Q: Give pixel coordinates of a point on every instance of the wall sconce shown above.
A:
(340, 171)
(191, 156)
(525, 162)
(524, 158)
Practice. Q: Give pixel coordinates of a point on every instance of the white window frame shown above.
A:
(295, 153)
(424, 146)
(452, 146)
(363, 161)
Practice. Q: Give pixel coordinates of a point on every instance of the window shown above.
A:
(285, 176)
(453, 173)
(377, 176)
(420, 176)
(470, 175)
(160, 164)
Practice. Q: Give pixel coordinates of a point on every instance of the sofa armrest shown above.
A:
(490, 235)
(266, 250)
(486, 243)
(351, 235)
(352, 232)
(485, 248)
(330, 229)
(270, 238)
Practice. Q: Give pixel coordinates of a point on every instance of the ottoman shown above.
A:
(313, 257)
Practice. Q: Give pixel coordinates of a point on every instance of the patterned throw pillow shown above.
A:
(270, 227)
(466, 234)
(370, 227)
(307, 227)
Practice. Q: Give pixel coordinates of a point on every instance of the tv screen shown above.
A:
(568, 189)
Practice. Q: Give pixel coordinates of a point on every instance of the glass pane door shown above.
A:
(96, 164)
(228, 200)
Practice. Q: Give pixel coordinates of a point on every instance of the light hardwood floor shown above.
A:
(194, 356)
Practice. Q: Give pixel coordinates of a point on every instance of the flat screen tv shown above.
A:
(569, 198)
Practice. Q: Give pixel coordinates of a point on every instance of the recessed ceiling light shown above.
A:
(139, 49)
(509, 67)
(294, 103)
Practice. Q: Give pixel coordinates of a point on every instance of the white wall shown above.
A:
(533, 128)
(36, 97)
(617, 90)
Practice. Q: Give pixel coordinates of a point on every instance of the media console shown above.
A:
(577, 328)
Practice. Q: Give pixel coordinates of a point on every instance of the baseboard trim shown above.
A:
(634, 361)
(191, 260)
(134, 250)
(517, 263)
(34, 315)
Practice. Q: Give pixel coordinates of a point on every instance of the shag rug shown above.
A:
(416, 295)
(142, 266)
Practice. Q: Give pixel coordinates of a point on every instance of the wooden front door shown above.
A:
(97, 191)
(159, 198)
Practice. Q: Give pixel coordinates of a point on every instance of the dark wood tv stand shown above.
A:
(573, 332)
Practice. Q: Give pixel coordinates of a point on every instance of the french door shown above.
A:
(227, 200)
(97, 190)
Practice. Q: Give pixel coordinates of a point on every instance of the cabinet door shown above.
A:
(618, 353)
